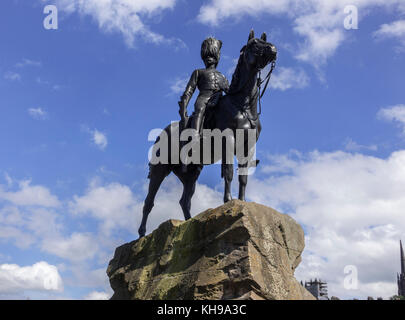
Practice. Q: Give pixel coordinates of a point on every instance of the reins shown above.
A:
(260, 82)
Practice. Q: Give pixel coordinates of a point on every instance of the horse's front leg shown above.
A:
(228, 151)
(246, 161)
(243, 178)
(227, 174)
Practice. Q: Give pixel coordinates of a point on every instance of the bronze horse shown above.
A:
(235, 110)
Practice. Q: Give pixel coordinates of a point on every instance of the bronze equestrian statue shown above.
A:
(236, 110)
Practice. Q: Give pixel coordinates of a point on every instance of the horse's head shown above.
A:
(254, 56)
(258, 53)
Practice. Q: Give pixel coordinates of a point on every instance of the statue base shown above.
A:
(240, 250)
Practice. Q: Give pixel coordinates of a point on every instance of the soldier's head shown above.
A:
(211, 51)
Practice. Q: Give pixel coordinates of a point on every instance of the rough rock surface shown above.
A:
(240, 250)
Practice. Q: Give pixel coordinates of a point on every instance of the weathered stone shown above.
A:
(240, 250)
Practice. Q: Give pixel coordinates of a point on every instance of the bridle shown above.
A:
(260, 82)
(266, 80)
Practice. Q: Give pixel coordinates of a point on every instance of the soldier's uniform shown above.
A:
(210, 82)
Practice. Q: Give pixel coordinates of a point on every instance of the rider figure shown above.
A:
(210, 83)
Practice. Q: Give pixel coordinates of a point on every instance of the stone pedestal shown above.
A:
(240, 250)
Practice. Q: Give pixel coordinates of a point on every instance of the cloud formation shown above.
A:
(39, 277)
(100, 139)
(28, 195)
(351, 145)
(28, 63)
(394, 30)
(288, 78)
(97, 295)
(37, 113)
(12, 76)
(126, 17)
(351, 208)
(320, 23)
(395, 114)
(178, 85)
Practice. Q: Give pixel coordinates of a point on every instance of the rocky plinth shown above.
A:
(240, 250)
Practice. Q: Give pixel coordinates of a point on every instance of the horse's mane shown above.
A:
(236, 77)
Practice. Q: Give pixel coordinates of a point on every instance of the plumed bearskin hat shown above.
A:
(211, 47)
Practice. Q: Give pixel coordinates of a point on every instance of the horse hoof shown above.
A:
(141, 232)
(227, 198)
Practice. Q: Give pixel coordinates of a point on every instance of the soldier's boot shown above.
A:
(197, 125)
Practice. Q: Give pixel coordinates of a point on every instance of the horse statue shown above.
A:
(234, 112)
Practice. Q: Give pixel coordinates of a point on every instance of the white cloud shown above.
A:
(12, 76)
(96, 295)
(78, 247)
(8, 179)
(100, 139)
(97, 137)
(25, 226)
(123, 16)
(351, 145)
(36, 220)
(37, 113)
(28, 63)
(351, 207)
(42, 82)
(395, 29)
(29, 195)
(114, 205)
(319, 22)
(288, 78)
(21, 239)
(178, 85)
(39, 277)
(395, 114)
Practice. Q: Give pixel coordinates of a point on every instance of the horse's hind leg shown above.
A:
(227, 174)
(185, 201)
(157, 174)
(189, 180)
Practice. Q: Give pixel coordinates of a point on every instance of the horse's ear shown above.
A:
(264, 36)
(251, 35)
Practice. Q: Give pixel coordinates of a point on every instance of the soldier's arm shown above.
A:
(188, 93)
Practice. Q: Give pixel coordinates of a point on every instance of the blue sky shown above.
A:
(77, 105)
